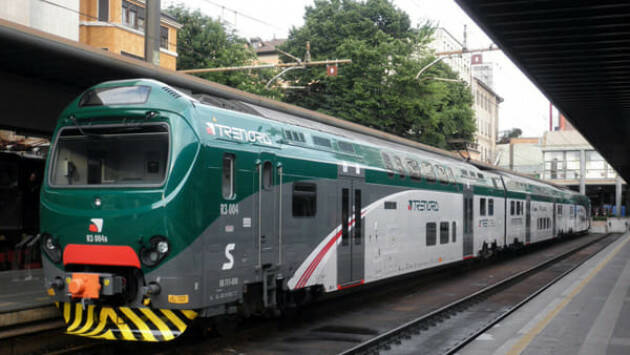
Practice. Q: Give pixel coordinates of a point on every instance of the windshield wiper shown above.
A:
(76, 123)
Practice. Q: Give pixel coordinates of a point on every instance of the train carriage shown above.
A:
(158, 208)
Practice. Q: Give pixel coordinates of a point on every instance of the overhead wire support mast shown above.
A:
(266, 66)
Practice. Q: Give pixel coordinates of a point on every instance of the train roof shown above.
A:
(347, 136)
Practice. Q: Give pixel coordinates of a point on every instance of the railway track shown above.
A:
(339, 324)
(449, 328)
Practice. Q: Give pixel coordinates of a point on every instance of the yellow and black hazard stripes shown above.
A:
(124, 323)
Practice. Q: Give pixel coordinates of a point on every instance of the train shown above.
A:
(159, 209)
(21, 175)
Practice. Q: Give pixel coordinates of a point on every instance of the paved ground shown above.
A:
(588, 312)
(22, 289)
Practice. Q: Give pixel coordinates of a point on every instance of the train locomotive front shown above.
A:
(118, 232)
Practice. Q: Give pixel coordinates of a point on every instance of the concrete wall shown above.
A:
(58, 17)
(612, 225)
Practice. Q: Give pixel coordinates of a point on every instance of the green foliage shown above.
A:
(379, 88)
(206, 43)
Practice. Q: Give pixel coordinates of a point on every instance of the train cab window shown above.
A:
(431, 233)
(443, 232)
(490, 207)
(304, 199)
(454, 232)
(511, 208)
(110, 156)
(267, 177)
(482, 207)
(427, 171)
(228, 176)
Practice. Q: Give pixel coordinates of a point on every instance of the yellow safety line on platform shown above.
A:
(526, 339)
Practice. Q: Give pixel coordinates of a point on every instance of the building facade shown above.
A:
(118, 26)
(444, 41)
(523, 155)
(58, 17)
(486, 107)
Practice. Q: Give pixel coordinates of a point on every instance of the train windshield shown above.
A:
(114, 156)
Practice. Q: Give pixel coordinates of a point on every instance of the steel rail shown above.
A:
(393, 336)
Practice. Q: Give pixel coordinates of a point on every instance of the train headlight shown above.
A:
(157, 250)
(51, 248)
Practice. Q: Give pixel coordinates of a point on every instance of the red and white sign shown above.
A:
(331, 69)
(476, 59)
(96, 225)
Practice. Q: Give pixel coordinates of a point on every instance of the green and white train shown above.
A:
(157, 209)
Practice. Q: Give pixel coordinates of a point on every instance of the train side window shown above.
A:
(431, 233)
(304, 199)
(267, 175)
(441, 174)
(490, 207)
(451, 176)
(228, 176)
(518, 207)
(427, 171)
(511, 208)
(559, 210)
(414, 169)
(443, 232)
(482, 207)
(454, 231)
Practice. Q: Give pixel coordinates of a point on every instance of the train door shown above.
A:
(268, 210)
(351, 248)
(528, 220)
(468, 221)
(554, 220)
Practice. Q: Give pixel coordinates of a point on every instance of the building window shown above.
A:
(228, 176)
(103, 10)
(164, 37)
(133, 15)
(431, 233)
(305, 200)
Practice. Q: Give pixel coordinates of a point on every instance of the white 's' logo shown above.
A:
(228, 254)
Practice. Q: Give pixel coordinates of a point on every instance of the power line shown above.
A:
(244, 15)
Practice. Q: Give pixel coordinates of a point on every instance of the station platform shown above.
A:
(587, 313)
(23, 297)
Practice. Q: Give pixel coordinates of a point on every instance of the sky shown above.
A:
(525, 107)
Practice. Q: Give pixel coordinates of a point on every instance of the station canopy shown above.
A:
(578, 54)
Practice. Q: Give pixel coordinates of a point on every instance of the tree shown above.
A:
(203, 42)
(379, 88)
(509, 134)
